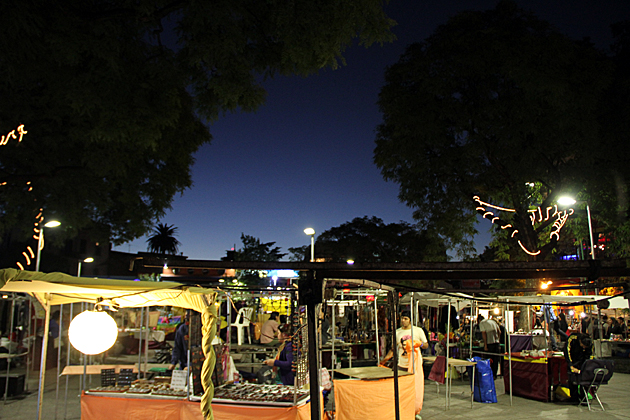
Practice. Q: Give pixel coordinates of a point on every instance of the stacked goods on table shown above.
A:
(258, 393)
(160, 386)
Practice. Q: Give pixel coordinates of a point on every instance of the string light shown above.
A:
(535, 215)
(11, 135)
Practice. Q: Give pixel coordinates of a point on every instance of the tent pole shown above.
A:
(6, 385)
(509, 341)
(378, 350)
(394, 309)
(65, 406)
(413, 317)
(140, 341)
(42, 363)
(31, 345)
(58, 358)
(449, 375)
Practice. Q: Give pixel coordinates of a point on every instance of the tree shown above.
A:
(163, 240)
(254, 250)
(500, 106)
(115, 95)
(369, 239)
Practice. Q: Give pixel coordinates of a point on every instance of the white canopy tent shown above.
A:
(58, 288)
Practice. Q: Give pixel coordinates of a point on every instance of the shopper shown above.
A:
(284, 359)
(490, 332)
(180, 350)
(577, 351)
(269, 330)
(562, 327)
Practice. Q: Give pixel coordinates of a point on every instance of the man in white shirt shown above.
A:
(491, 335)
(404, 333)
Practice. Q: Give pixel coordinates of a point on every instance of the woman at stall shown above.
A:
(284, 359)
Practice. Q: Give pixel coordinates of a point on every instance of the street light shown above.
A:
(87, 260)
(40, 240)
(311, 232)
(569, 201)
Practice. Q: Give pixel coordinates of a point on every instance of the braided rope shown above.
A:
(209, 330)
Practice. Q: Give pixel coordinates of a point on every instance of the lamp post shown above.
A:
(311, 232)
(40, 240)
(569, 201)
(87, 260)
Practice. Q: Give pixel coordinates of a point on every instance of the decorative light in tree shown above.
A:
(11, 135)
(535, 215)
(93, 332)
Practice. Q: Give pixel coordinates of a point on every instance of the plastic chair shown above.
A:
(595, 372)
(243, 319)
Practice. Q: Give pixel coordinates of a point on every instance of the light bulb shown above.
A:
(93, 332)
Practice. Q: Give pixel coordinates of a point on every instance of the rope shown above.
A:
(209, 331)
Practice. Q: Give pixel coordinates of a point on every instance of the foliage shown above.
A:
(498, 104)
(115, 95)
(254, 250)
(163, 240)
(369, 239)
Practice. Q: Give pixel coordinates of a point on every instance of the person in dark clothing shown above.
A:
(562, 326)
(180, 349)
(284, 359)
(577, 351)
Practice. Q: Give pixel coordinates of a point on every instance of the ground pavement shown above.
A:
(615, 396)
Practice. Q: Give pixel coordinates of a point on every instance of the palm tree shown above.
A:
(163, 240)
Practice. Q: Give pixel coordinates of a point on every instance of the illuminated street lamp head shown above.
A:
(566, 201)
(309, 231)
(88, 260)
(52, 224)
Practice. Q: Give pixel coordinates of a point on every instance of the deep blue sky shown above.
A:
(304, 159)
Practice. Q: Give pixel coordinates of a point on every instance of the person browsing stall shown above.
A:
(490, 332)
(180, 349)
(402, 334)
(269, 330)
(284, 359)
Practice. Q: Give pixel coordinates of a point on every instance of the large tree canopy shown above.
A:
(114, 94)
(499, 105)
(369, 239)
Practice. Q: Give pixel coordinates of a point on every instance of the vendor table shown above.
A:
(449, 381)
(371, 398)
(100, 407)
(536, 377)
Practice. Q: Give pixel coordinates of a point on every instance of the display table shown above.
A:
(97, 407)
(536, 377)
(373, 399)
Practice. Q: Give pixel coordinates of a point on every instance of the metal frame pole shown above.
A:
(65, 407)
(509, 341)
(42, 364)
(58, 357)
(378, 350)
(140, 341)
(6, 385)
(312, 348)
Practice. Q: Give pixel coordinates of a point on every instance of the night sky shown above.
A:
(304, 159)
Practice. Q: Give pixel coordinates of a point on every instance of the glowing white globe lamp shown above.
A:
(93, 332)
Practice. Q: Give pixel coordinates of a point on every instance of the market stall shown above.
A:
(107, 407)
(57, 288)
